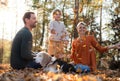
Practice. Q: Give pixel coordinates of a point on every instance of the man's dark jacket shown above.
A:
(21, 53)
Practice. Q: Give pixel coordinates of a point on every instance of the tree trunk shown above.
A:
(2, 45)
(76, 18)
(64, 19)
(43, 24)
(101, 24)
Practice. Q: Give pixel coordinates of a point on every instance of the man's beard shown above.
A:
(33, 25)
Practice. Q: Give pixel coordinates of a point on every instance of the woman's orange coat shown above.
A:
(83, 51)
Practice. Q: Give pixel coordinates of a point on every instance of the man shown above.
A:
(21, 54)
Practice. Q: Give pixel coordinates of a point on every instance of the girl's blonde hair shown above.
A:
(56, 10)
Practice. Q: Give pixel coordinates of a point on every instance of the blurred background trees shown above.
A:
(101, 16)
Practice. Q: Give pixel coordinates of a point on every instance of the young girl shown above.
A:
(57, 35)
(83, 48)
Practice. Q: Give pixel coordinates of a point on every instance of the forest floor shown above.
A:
(8, 74)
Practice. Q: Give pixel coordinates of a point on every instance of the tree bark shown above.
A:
(43, 24)
(76, 18)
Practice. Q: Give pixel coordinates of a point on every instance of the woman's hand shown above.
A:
(117, 45)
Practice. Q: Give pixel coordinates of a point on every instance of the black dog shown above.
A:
(64, 66)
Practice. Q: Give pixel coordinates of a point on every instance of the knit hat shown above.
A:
(81, 23)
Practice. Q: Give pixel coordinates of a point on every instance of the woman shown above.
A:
(83, 51)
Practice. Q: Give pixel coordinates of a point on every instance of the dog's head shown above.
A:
(43, 58)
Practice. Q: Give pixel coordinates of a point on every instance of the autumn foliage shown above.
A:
(8, 74)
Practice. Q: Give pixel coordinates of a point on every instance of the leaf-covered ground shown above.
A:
(8, 74)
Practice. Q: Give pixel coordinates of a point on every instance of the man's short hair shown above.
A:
(27, 15)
